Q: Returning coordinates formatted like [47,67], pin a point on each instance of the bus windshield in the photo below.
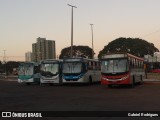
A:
[72,67]
[26,69]
[114,66]
[49,69]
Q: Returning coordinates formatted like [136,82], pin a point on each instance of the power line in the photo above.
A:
[149,34]
[12,58]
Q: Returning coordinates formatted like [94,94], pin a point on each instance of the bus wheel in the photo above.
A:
[133,83]
[41,84]
[141,80]
[28,83]
[110,86]
[50,84]
[60,84]
[90,80]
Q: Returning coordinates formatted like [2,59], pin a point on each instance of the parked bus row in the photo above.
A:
[68,70]
[112,69]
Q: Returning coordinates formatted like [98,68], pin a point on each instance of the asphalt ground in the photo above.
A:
[95,97]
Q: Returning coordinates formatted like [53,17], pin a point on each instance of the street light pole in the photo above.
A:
[72,29]
[92,41]
[4,57]
[4,60]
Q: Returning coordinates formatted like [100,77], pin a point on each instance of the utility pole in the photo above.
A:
[4,60]
[4,57]
[72,28]
[92,41]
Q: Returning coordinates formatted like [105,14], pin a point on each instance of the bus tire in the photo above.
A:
[60,82]
[90,80]
[28,83]
[109,86]
[133,83]
[41,84]
[141,80]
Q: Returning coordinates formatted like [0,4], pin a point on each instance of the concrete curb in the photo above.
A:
[151,80]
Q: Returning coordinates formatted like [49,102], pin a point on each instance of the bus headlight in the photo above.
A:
[123,78]
[103,78]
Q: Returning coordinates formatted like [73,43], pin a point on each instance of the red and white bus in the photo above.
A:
[122,68]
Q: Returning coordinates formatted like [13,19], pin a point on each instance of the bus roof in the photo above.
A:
[76,59]
[121,55]
[73,59]
[50,61]
[133,56]
[33,63]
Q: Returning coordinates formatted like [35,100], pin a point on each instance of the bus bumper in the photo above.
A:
[49,81]
[124,80]
[80,80]
[25,81]
[115,82]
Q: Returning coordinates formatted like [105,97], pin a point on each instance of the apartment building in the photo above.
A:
[28,56]
[43,49]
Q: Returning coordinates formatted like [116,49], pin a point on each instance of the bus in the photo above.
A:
[28,72]
[122,68]
[80,70]
[50,71]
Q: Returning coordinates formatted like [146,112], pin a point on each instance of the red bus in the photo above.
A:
[122,68]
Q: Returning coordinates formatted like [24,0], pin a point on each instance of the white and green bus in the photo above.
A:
[28,72]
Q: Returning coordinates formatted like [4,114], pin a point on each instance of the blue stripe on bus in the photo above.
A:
[73,77]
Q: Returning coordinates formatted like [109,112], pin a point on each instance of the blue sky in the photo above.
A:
[22,21]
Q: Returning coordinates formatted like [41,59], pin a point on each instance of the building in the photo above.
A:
[154,58]
[50,49]
[28,56]
[152,62]
[34,52]
[43,49]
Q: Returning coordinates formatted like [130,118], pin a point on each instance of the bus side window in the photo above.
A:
[130,63]
[137,64]
[89,65]
[135,61]
[93,65]
[99,66]
[140,65]
[96,65]
[84,67]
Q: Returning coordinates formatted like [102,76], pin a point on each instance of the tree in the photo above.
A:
[80,51]
[10,65]
[0,63]
[135,46]
[1,67]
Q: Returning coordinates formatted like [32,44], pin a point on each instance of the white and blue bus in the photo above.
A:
[80,70]
[50,71]
[28,72]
